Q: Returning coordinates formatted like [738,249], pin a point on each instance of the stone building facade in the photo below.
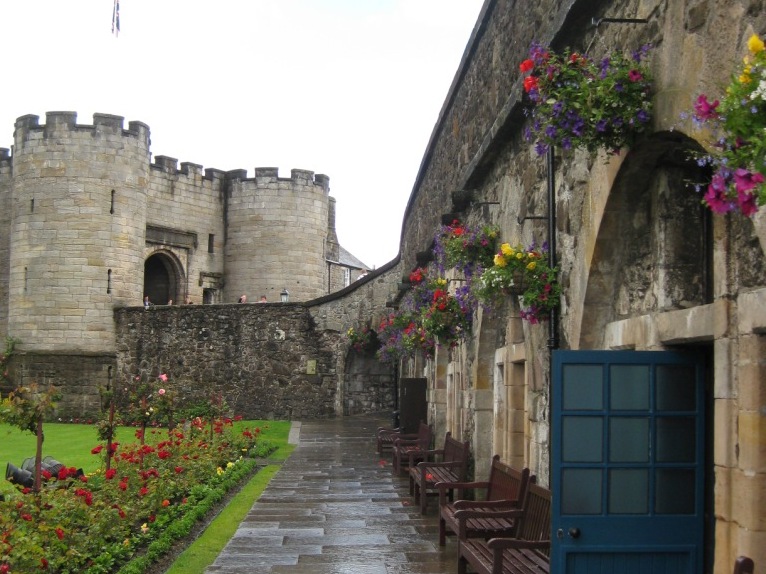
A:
[643,266]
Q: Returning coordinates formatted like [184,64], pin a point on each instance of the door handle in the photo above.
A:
[574,532]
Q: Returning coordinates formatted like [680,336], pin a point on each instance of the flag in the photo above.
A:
[116,18]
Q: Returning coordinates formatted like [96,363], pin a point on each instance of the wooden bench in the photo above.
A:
[744,565]
[527,553]
[384,437]
[445,465]
[405,445]
[504,489]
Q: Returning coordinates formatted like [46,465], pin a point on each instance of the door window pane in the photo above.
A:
[581,439]
[628,491]
[676,386]
[629,387]
[583,387]
[676,439]
[581,491]
[628,439]
[675,491]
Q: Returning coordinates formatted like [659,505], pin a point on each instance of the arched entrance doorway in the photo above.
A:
[162,275]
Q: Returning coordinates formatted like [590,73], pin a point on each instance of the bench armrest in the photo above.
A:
[445,487]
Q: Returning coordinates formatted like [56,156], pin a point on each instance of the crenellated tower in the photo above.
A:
[78,217]
[276,234]
[89,224]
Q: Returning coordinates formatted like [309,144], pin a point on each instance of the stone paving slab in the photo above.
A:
[335,507]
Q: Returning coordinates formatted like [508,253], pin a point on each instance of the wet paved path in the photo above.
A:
[334,508]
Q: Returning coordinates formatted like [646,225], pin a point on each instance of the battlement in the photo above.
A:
[59,123]
[266,175]
[169,165]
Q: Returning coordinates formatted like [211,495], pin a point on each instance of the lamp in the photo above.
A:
[284,296]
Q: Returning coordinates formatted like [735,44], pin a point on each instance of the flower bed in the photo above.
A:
[151,495]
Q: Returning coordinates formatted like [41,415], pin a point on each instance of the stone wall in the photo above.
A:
[266,360]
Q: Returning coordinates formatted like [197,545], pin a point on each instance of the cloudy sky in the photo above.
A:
[348,88]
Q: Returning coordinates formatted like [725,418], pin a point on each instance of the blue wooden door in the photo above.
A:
[627,470]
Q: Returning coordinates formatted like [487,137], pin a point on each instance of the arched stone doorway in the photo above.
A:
[654,248]
[162,279]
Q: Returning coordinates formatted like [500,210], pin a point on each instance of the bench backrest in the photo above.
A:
[424,436]
[506,482]
[456,451]
[744,565]
[536,522]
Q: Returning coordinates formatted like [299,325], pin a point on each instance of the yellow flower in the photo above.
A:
[144,528]
[519,255]
[500,261]
[219,470]
[506,249]
[229,464]
[531,265]
[126,542]
[441,281]
[755,44]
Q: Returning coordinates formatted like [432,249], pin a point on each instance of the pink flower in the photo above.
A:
[161,392]
[746,202]
[634,76]
[706,110]
[164,378]
[716,197]
[746,180]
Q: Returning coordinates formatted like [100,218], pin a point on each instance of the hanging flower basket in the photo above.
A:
[521,273]
[579,102]
[737,152]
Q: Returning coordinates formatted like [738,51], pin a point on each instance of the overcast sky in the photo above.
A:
[348,88]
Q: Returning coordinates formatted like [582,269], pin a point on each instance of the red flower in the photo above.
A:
[43,564]
[46,474]
[122,486]
[27,517]
[530,83]
[179,470]
[166,502]
[163,454]
[110,474]
[526,65]
[60,533]
[143,491]
[96,449]
[634,76]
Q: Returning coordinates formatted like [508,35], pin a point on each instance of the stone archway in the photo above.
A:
[654,247]
[163,276]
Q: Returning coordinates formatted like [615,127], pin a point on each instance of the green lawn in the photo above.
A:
[71,444]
